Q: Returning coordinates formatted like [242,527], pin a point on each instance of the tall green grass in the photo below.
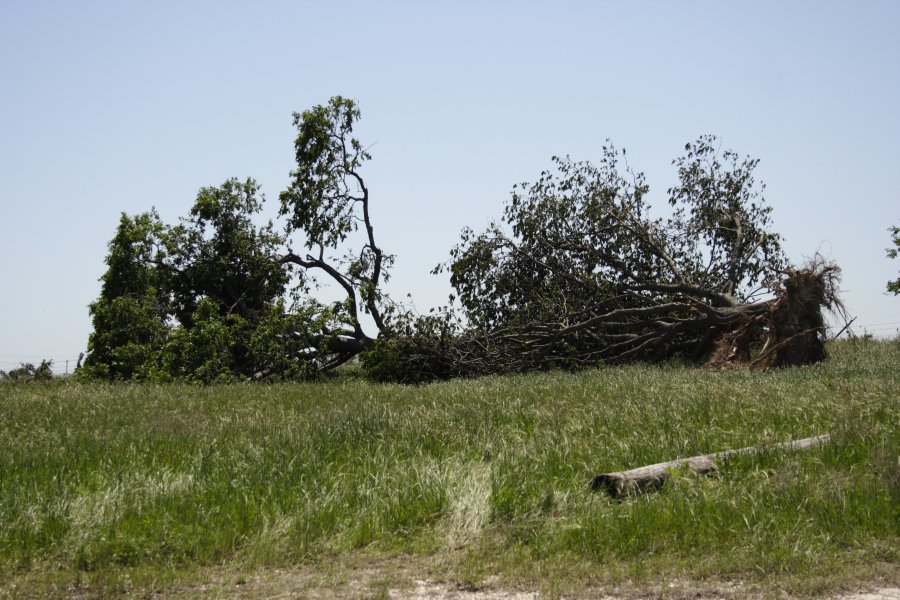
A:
[491,472]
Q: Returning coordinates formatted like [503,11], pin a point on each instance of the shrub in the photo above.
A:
[27,372]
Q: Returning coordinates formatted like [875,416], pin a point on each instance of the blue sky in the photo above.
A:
[121,106]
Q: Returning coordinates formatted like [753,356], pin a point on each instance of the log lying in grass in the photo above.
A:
[652,477]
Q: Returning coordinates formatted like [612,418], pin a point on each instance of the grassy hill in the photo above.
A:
[127,489]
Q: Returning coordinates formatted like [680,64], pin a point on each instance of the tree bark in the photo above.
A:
[652,477]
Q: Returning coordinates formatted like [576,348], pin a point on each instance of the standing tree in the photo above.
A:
[224,278]
[131,315]
[327,202]
[208,299]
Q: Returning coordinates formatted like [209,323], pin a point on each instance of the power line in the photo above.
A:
[53,359]
[22,354]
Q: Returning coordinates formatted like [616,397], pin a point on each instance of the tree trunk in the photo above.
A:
[652,477]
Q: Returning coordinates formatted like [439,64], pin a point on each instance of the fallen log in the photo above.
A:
[652,477]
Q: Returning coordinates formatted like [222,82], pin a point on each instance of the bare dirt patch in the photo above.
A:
[888,593]
[396,579]
[433,591]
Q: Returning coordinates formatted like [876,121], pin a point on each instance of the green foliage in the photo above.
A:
[205,300]
[27,372]
[136,253]
[320,200]
[219,254]
[284,342]
[183,302]
[541,259]
[582,232]
[327,201]
[131,315]
[419,350]
[129,333]
[894,286]
[721,230]
[209,350]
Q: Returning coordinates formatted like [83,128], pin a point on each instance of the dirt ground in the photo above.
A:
[432,591]
[425,590]
[393,581]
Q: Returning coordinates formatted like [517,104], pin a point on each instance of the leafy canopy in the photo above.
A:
[219,296]
[583,233]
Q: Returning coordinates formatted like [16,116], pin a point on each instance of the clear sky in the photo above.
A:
[108,107]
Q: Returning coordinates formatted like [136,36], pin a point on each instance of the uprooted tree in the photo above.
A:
[578,272]
[218,297]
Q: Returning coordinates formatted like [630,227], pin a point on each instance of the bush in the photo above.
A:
[421,350]
[27,372]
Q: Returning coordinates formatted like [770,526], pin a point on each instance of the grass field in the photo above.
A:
[127,489]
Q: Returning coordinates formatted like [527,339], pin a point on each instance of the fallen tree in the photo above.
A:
[786,330]
[579,273]
[652,477]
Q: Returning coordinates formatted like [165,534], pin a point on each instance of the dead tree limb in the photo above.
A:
[652,477]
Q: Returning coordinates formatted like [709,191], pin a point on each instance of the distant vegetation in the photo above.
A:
[105,489]
[27,372]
